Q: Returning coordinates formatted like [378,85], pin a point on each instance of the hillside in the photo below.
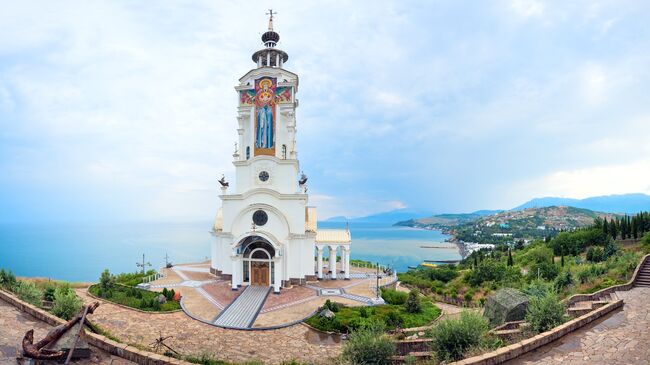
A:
[625,203]
[508,225]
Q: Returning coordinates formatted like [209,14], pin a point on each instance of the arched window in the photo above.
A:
[248,152]
[284,151]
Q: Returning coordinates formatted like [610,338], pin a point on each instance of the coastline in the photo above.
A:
[463,251]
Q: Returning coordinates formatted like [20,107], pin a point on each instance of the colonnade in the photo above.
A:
[345,260]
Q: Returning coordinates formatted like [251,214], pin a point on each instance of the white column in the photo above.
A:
[347,263]
[332,266]
[277,279]
[319,262]
[234,278]
[277,60]
[259,61]
[281,62]
[342,259]
[268,59]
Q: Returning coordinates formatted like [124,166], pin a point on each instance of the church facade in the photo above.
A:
[265,232]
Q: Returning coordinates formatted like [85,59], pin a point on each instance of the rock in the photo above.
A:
[326,313]
[506,305]
[161,299]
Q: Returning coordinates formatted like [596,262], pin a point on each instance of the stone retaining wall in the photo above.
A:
[510,352]
[604,292]
[114,348]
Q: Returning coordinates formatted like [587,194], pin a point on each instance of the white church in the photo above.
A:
[265,233]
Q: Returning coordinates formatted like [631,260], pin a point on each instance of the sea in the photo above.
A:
[81,251]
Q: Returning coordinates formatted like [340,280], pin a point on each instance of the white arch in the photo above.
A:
[266,235]
[267,207]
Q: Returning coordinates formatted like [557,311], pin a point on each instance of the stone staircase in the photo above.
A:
[584,307]
[643,277]
[242,312]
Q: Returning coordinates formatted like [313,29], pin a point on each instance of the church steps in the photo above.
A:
[242,312]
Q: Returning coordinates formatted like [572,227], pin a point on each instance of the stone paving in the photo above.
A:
[193,337]
[14,324]
[205,296]
[621,338]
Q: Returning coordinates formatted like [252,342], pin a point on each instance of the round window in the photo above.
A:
[260,218]
[264,176]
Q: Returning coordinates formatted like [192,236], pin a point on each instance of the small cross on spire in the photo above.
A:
[270,14]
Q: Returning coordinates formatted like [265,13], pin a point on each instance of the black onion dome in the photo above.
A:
[270,36]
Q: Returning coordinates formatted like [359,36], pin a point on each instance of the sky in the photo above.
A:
[126,110]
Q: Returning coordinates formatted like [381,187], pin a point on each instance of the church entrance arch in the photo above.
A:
[258,265]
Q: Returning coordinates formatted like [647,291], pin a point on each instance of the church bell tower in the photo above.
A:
[265,232]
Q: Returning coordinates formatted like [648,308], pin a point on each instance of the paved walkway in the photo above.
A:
[193,337]
[621,338]
[242,312]
[14,324]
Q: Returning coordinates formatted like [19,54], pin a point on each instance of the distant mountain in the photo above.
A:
[384,217]
[625,203]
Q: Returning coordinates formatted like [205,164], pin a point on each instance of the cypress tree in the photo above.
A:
[613,231]
[605,226]
[510,261]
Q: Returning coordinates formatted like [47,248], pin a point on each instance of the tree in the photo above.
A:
[413,304]
[613,229]
[510,261]
[106,283]
[605,226]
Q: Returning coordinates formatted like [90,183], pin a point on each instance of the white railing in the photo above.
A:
[151,278]
[384,280]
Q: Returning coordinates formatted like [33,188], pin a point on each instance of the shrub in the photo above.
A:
[369,346]
[487,270]
[413,304]
[575,242]
[393,296]
[537,288]
[563,280]
[393,319]
[543,270]
[452,338]
[28,292]
[7,280]
[444,273]
[595,254]
[48,293]
[66,303]
[545,312]
[333,306]
[611,248]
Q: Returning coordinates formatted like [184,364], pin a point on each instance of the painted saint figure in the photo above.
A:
[264,133]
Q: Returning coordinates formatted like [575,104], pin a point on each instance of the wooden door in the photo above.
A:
[260,273]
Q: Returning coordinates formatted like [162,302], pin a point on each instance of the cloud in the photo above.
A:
[122,109]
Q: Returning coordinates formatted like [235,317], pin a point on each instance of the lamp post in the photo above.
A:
[377,280]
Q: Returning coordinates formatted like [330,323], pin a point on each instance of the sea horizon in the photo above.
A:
[80,251]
